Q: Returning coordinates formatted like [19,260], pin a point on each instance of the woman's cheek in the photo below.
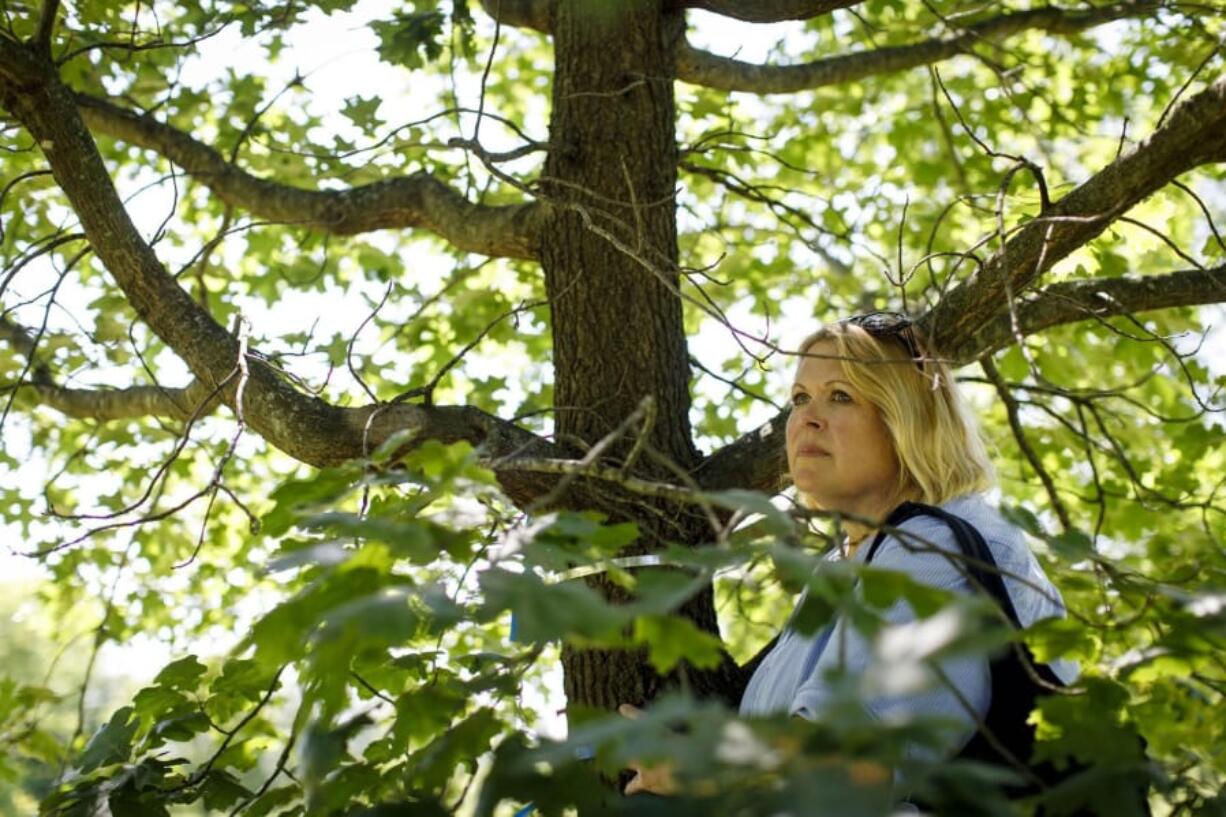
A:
[789,434]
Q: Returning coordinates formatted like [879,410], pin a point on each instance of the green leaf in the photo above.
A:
[410,39]
[362,112]
[1090,727]
[423,713]
[1053,638]
[408,808]
[549,611]
[325,747]
[661,590]
[241,683]
[813,612]
[178,728]
[458,747]
[774,519]
[1072,545]
[154,702]
[274,798]
[586,528]
[384,618]
[672,639]
[185,674]
[222,790]
[110,744]
[295,497]
[882,588]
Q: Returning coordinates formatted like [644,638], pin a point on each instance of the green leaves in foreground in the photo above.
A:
[110,744]
[126,762]
[388,652]
[391,671]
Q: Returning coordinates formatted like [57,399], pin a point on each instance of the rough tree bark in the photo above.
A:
[612,239]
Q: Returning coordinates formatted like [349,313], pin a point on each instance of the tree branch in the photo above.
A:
[17,337]
[1013,413]
[419,200]
[703,68]
[303,426]
[770,11]
[1072,301]
[533,14]
[1194,134]
[46,25]
[756,462]
[105,403]
[129,403]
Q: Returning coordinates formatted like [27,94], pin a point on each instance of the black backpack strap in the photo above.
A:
[978,564]
[1014,688]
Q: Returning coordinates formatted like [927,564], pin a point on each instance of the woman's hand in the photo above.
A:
[656,779]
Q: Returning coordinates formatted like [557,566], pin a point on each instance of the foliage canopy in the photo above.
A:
[381,382]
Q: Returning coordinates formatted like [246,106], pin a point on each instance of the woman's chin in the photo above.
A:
[816,493]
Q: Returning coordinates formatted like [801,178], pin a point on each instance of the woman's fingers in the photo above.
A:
[629,711]
[654,779]
[636,783]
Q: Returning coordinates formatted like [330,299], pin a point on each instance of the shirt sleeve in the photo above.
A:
[895,690]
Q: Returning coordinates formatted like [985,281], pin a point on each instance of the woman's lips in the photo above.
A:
[811,451]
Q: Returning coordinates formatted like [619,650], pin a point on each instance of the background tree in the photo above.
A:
[1038,183]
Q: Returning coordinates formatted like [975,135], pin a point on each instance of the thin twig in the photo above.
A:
[1019,433]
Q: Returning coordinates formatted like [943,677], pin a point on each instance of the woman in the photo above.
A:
[876,423]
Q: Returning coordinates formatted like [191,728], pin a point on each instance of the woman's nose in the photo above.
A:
[810,416]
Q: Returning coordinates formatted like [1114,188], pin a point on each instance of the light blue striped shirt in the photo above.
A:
[793,677]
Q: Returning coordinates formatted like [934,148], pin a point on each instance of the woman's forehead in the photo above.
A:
[813,368]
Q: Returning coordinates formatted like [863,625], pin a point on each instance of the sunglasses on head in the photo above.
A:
[890,325]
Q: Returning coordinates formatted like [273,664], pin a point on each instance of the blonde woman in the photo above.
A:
[878,432]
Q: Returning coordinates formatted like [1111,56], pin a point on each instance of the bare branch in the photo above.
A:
[129,46]
[614,476]
[1019,433]
[1194,134]
[419,200]
[1072,301]
[703,68]
[770,11]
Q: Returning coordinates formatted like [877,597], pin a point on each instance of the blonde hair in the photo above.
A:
[940,449]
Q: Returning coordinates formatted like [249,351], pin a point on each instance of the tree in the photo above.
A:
[1037,183]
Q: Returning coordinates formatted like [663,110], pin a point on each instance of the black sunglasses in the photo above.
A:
[891,325]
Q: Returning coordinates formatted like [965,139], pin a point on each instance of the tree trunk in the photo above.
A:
[611,239]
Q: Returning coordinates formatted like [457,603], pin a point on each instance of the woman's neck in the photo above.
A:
[857,532]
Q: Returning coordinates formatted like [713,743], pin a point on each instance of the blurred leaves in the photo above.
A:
[384,592]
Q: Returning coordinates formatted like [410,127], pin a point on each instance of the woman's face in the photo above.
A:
[840,452]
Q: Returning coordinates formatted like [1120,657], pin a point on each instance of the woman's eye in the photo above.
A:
[799,398]
[840,396]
